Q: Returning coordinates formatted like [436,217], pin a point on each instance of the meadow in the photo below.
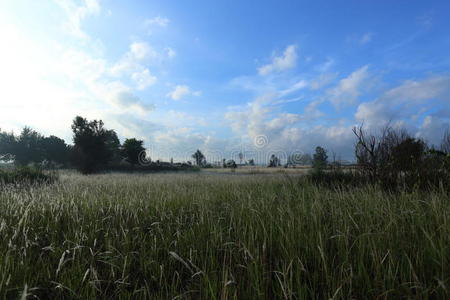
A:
[211,236]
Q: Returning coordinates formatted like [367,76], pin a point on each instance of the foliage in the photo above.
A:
[26,176]
[394,158]
[28,147]
[7,142]
[320,159]
[32,147]
[274,161]
[131,149]
[199,158]
[229,164]
[55,150]
[113,146]
[91,148]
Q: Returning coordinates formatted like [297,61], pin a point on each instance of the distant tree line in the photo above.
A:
[391,155]
[94,147]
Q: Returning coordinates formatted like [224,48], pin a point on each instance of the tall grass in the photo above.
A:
[210,237]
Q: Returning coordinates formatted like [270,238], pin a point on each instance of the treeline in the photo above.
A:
[94,148]
[391,158]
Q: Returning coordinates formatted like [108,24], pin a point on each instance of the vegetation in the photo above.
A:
[131,150]
[227,237]
[200,159]
[274,161]
[25,176]
[320,159]
[394,158]
[32,147]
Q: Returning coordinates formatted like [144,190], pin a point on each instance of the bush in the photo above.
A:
[26,175]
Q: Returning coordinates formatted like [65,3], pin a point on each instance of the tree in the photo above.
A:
[274,161]
[230,164]
[131,150]
[199,157]
[55,150]
[113,145]
[251,162]
[7,143]
[445,144]
[241,157]
[28,147]
[320,159]
[408,155]
[91,150]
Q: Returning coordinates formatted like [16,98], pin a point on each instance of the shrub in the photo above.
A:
[26,175]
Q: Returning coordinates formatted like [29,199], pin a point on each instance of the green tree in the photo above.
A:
[113,146]
[199,157]
[91,150]
[28,147]
[55,150]
[7,143]
[274,161]
[320,159]
[131,149]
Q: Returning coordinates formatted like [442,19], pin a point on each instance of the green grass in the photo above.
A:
[26,176]
[195,236]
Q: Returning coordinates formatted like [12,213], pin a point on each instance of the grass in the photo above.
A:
[26,176]
[196,236]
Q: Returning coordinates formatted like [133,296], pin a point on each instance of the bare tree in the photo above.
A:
[445,144]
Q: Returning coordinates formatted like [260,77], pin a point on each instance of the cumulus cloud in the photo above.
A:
[138,53]
[282,133]
[181,91]
[280,63]
[409,102]
[349,89]
[143,79]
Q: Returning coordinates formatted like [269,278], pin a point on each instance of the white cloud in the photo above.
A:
[141,51]
[138,53]
[158,21]
[170,52]
[285,132]
[76,13]
[301,84]
[280,63]
[153,23]
[143,79]
[182,90]
[349,89]
[402,102]
[323,80]
[325,66]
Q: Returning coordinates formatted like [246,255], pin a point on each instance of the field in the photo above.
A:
[210,236]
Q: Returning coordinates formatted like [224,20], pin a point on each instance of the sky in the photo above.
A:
[257,77]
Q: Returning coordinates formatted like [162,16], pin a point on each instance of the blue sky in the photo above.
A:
[223,75]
